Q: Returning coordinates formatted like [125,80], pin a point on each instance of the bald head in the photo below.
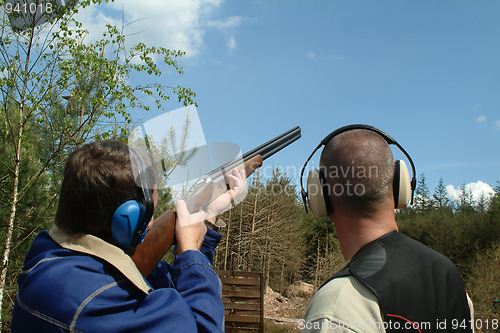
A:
[359,169]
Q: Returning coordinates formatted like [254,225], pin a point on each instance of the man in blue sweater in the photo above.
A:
[78,276]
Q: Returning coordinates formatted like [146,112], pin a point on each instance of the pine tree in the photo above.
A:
[440,195]
[423,202]
[465,200]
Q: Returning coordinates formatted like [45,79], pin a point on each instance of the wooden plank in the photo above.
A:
[238,274]
[235,291]
[236,287]
[244,313]
[242,306]
[241,330]
[242,325]
[237,299]
[226,300]
[241,293]
[235,328]
[234,273]
[242,319]
[240,281]
[240,288]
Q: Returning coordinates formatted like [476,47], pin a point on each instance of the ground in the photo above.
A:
[282,309]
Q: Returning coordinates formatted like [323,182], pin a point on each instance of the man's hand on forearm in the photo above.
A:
[189,228]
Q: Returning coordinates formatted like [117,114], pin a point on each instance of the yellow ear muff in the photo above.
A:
[402,185]
[316,195]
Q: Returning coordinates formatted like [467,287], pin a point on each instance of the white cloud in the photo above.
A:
[227,27]
[337,57]
[227,23]
[311,54]
[327,57]
[476,107]
[231,43]
[477,189]
[481,119]
[497,124]
[173,24]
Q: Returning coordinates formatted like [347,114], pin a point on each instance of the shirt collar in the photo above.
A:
[95,246]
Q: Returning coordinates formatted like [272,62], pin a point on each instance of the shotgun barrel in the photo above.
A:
[213,183]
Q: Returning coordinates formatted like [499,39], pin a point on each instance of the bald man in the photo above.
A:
[390,282]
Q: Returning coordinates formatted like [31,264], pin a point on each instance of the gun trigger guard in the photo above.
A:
[197,185]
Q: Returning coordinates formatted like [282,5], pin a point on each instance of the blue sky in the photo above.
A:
[426,72]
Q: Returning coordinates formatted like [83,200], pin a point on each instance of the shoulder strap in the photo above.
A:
[369,260]
[343,272]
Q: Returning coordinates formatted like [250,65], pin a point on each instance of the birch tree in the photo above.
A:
[59,90]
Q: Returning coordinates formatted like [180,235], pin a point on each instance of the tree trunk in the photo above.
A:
[267,255]
[282,273]
[254,218]
[10,226]
[227,239]
[240,240]
[316,274]
[15,190]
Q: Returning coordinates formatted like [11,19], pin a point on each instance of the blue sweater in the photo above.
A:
[84,284]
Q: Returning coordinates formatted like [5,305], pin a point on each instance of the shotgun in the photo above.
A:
[160,236]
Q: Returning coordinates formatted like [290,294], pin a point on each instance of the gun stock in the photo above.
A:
[161,235]
[157,241]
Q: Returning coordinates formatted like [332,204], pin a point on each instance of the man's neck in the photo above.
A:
[354,232]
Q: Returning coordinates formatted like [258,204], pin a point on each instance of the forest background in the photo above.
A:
[58,91]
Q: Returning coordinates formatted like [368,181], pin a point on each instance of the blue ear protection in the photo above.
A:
[125,220]
[130,220]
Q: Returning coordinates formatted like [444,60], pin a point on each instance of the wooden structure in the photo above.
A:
[243,297]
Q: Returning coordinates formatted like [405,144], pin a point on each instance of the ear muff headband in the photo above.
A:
[131,219]
[400,201]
